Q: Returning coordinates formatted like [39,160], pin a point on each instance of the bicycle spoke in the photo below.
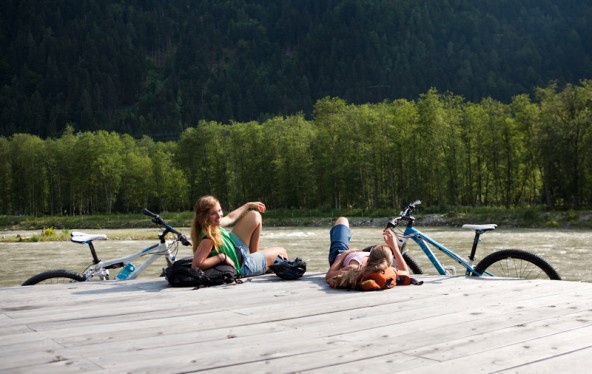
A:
[517,268]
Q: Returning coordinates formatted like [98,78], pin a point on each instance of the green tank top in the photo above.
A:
[227,247]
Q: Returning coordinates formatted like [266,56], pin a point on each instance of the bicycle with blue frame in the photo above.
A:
[507,263]
[167,247]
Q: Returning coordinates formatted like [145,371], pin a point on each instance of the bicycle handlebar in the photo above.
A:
[159,221]
[405,215]
[154,216]
[410,208]
[183,239]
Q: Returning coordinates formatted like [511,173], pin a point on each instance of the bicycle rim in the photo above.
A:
[516,263]
[54,277]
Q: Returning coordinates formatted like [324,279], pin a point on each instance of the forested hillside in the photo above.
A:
[156,68]
[439,148]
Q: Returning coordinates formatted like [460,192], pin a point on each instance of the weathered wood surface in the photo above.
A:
[449,324]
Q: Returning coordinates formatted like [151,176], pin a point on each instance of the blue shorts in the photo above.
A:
[253,263]
[340,237]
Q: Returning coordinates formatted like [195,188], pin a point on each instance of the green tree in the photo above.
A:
[29,176]
[247,162]
[565,141]
[401,120]
[428,141]
[330,156]
[64,170]
[291,175]
[451,148]
[170,183]
[5,176]
[201,154]
[100,167]
[500,152]
[528,167]
[137,187]
[472,135]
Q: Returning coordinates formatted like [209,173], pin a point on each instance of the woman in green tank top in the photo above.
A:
[213,244]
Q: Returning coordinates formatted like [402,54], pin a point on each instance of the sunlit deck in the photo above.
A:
[449,324]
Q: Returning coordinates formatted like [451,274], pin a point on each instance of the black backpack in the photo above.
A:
[180,274]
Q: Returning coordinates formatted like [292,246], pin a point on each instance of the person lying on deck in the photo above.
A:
[348,265]
[239,248]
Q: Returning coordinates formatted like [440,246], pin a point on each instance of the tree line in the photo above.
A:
[439,148]
[145,67]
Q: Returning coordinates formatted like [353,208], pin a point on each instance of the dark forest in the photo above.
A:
[158,67]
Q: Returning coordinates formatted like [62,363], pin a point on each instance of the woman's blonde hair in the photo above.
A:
[379,259]
[201,222]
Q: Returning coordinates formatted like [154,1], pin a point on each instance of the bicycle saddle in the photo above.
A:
[482,228]
[82,238]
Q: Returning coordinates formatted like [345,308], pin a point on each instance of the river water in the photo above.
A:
[566,250]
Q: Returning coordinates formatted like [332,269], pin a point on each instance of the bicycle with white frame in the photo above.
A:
[99,270]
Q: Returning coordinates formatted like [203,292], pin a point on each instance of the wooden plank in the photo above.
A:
[57,365]
[306,324]
[574,361]
[46,362]
[32,353]
[518,357]
[155,323]
[273,325]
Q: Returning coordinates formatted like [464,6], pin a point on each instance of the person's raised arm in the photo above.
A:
[391,240]
[231,217]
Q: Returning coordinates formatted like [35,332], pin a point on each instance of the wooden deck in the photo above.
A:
[449,324]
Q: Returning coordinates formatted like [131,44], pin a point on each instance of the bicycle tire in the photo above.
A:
[516,263]
[412,264]
[53,277]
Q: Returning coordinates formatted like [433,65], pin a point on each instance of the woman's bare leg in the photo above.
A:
[271,254]
[248,229]
[341,221]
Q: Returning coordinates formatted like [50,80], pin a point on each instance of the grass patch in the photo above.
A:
[98,221]
[57,227]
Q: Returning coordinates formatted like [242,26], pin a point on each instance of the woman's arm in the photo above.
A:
[335,269]
[391,240]
[201,259]
[231,217]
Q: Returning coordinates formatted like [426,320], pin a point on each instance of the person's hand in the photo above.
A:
[258,205]
[390,238]
[226,260]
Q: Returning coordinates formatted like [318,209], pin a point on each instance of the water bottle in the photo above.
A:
[450,270]
[126,271]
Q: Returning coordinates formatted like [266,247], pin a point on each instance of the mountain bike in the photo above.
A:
[99,270]
[508,263]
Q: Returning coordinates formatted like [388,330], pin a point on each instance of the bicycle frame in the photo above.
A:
[100,269]
[163,248]
[422,239]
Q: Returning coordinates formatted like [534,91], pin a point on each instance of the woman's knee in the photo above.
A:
[248,224]
[272,253]
[342,221]
[253,217]
[280,251]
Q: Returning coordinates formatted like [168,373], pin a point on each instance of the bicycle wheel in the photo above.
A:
[413,266]
[516,263]
[54,277]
